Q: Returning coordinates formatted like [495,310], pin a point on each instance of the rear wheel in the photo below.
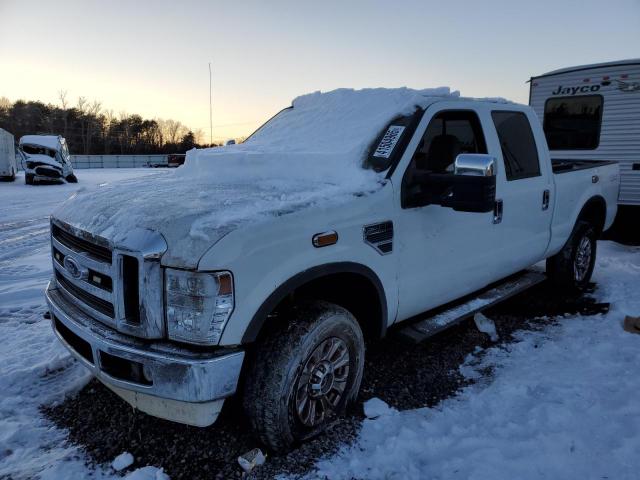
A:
[304,374]
[572,267]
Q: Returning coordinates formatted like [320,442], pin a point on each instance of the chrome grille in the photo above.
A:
[119,286]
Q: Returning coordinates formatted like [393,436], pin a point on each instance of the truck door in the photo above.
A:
[444,254]
[525,187]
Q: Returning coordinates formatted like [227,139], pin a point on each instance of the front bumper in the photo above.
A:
[159,378]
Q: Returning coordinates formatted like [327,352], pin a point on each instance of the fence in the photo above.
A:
[118,161]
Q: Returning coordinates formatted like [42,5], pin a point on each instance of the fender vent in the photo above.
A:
[380,236]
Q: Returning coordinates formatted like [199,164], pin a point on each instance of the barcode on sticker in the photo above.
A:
[389,141]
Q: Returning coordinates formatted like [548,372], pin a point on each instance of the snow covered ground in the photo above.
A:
[562,403]
[34,368]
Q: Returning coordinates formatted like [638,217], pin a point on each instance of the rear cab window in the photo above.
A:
[519,149]
[573,123]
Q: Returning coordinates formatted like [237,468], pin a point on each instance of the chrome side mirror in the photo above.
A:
[475,165]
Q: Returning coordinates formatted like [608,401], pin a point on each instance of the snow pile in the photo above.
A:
[563,403]
[325,136]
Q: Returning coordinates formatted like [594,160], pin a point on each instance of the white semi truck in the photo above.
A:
[347,214]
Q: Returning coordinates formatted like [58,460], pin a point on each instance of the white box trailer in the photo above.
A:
[8,164]
[592,112]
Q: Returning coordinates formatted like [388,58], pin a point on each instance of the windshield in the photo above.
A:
[38,150]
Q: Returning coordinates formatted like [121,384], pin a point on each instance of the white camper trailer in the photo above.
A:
[592,112]
[8,164]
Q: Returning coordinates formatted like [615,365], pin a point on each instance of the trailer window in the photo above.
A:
[519,151]
[573,123]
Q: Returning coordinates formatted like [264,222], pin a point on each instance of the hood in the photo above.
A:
[191,215]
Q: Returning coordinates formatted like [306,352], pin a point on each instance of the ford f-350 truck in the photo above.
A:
[345,214]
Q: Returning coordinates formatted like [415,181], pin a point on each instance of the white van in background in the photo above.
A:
[46,158]
[8,164]
[592,112]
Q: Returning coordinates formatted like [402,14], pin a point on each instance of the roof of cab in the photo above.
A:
[49,141]
[577,68]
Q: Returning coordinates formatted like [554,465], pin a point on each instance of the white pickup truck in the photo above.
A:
[259,270]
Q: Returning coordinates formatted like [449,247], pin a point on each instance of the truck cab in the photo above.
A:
[46,159]
[293,253]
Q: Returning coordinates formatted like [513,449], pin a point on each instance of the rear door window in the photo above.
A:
[519,150]
[573,123]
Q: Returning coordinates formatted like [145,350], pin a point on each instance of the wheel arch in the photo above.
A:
[328,282]
[594,211]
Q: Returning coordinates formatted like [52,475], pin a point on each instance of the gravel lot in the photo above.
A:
[402,374]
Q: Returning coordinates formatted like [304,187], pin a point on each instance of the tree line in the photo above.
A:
[91,129]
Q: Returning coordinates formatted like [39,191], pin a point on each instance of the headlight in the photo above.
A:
[31,165]
[198,305]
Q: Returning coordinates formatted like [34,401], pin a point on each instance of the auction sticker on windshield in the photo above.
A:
[389,141]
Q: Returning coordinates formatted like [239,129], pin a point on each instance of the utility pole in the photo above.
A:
[210,107]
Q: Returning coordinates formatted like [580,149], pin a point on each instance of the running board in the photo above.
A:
[439,319]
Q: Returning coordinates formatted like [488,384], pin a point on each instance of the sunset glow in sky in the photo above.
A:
[150,57]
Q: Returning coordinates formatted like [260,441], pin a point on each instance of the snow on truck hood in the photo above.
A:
[310,154]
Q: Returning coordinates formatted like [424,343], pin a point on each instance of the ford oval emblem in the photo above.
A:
[72,267]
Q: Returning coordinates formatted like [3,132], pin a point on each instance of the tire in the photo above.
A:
[301,364]
[571,268]
[71,178]
[28,179]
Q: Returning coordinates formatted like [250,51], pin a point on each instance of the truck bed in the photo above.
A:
[563,165]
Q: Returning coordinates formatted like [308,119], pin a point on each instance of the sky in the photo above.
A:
[151,57]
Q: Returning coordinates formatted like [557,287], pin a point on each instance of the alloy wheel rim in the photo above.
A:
[322,383]
[583,259]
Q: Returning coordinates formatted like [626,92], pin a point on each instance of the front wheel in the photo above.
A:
[304,374]
[71,178]
[572,267]
[28,179]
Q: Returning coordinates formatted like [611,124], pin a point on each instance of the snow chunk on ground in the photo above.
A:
[147,473]
[375,407]
[122,461]
[562,403]
[486,325]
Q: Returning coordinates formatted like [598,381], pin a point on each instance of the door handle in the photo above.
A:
[497,212]
[545,199]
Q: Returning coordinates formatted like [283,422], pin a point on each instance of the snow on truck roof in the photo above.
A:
[321,135]
[49,141]
[577,68]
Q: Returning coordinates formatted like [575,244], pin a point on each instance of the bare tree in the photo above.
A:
[5,102]
[88,114]
[62,95]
